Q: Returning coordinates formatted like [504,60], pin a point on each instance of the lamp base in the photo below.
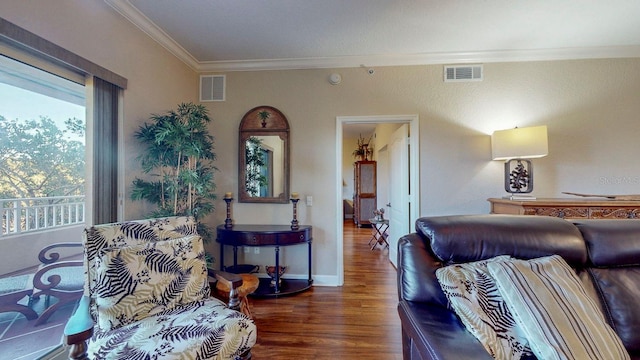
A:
[519,197]
[518,176]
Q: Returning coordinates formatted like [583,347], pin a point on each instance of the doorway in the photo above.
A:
[411,177]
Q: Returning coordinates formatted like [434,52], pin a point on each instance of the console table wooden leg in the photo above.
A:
[221,257]
[235,258]
[309,262]
[277,278]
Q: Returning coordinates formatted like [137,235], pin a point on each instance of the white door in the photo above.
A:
[398,207]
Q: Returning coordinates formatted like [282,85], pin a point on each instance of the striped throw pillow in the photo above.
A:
[555,312]
[473,295]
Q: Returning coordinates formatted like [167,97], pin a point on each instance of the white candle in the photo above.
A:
[228,195]
[295,195]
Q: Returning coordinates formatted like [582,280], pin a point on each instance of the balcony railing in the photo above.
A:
[34,214]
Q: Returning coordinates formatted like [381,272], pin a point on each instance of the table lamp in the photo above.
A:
[514,146]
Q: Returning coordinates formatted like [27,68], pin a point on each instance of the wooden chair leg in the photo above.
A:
[79,351]
[78,344]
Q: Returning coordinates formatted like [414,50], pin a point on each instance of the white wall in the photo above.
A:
[589,106]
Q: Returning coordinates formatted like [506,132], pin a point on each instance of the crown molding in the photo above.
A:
[137,18]
[422,59]
[134,15]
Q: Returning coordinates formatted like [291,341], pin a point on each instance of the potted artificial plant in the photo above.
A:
[179,158]
[363,152]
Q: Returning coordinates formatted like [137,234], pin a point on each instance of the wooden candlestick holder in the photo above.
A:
[294,222]
[228,222]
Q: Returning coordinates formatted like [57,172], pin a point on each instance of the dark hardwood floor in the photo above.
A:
[357,320]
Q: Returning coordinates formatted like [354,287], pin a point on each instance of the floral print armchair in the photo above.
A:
[148,294]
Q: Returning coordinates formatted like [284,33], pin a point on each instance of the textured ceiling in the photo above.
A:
[247,34]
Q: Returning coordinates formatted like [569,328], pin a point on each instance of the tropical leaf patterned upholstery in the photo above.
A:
[150,296]
[139,281]
[198,330]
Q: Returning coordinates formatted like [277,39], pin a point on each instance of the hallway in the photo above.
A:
[357,320]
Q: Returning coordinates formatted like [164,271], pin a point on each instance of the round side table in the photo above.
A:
[249,284]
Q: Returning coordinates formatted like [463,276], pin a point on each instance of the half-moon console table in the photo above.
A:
[266,235]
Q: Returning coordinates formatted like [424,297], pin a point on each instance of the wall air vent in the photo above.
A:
[459,73]
[212,88]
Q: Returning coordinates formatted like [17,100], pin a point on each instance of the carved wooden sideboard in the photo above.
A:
[365,191]
[568,208]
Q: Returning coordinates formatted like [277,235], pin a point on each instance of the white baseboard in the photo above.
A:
[325,280]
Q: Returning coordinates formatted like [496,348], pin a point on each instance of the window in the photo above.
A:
[34,76]
[43,136]
[42,196]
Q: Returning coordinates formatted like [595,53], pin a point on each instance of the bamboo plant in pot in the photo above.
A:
[178,158]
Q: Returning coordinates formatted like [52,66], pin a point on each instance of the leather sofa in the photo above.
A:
[605,254]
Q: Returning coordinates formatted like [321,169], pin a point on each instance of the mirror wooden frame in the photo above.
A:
[263,121]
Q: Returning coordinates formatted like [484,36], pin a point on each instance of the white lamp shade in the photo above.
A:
[520,143]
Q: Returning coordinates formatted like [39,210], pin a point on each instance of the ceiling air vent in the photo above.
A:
[459,73]
[212,88]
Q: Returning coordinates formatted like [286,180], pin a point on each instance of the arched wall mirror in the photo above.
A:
[263,173]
